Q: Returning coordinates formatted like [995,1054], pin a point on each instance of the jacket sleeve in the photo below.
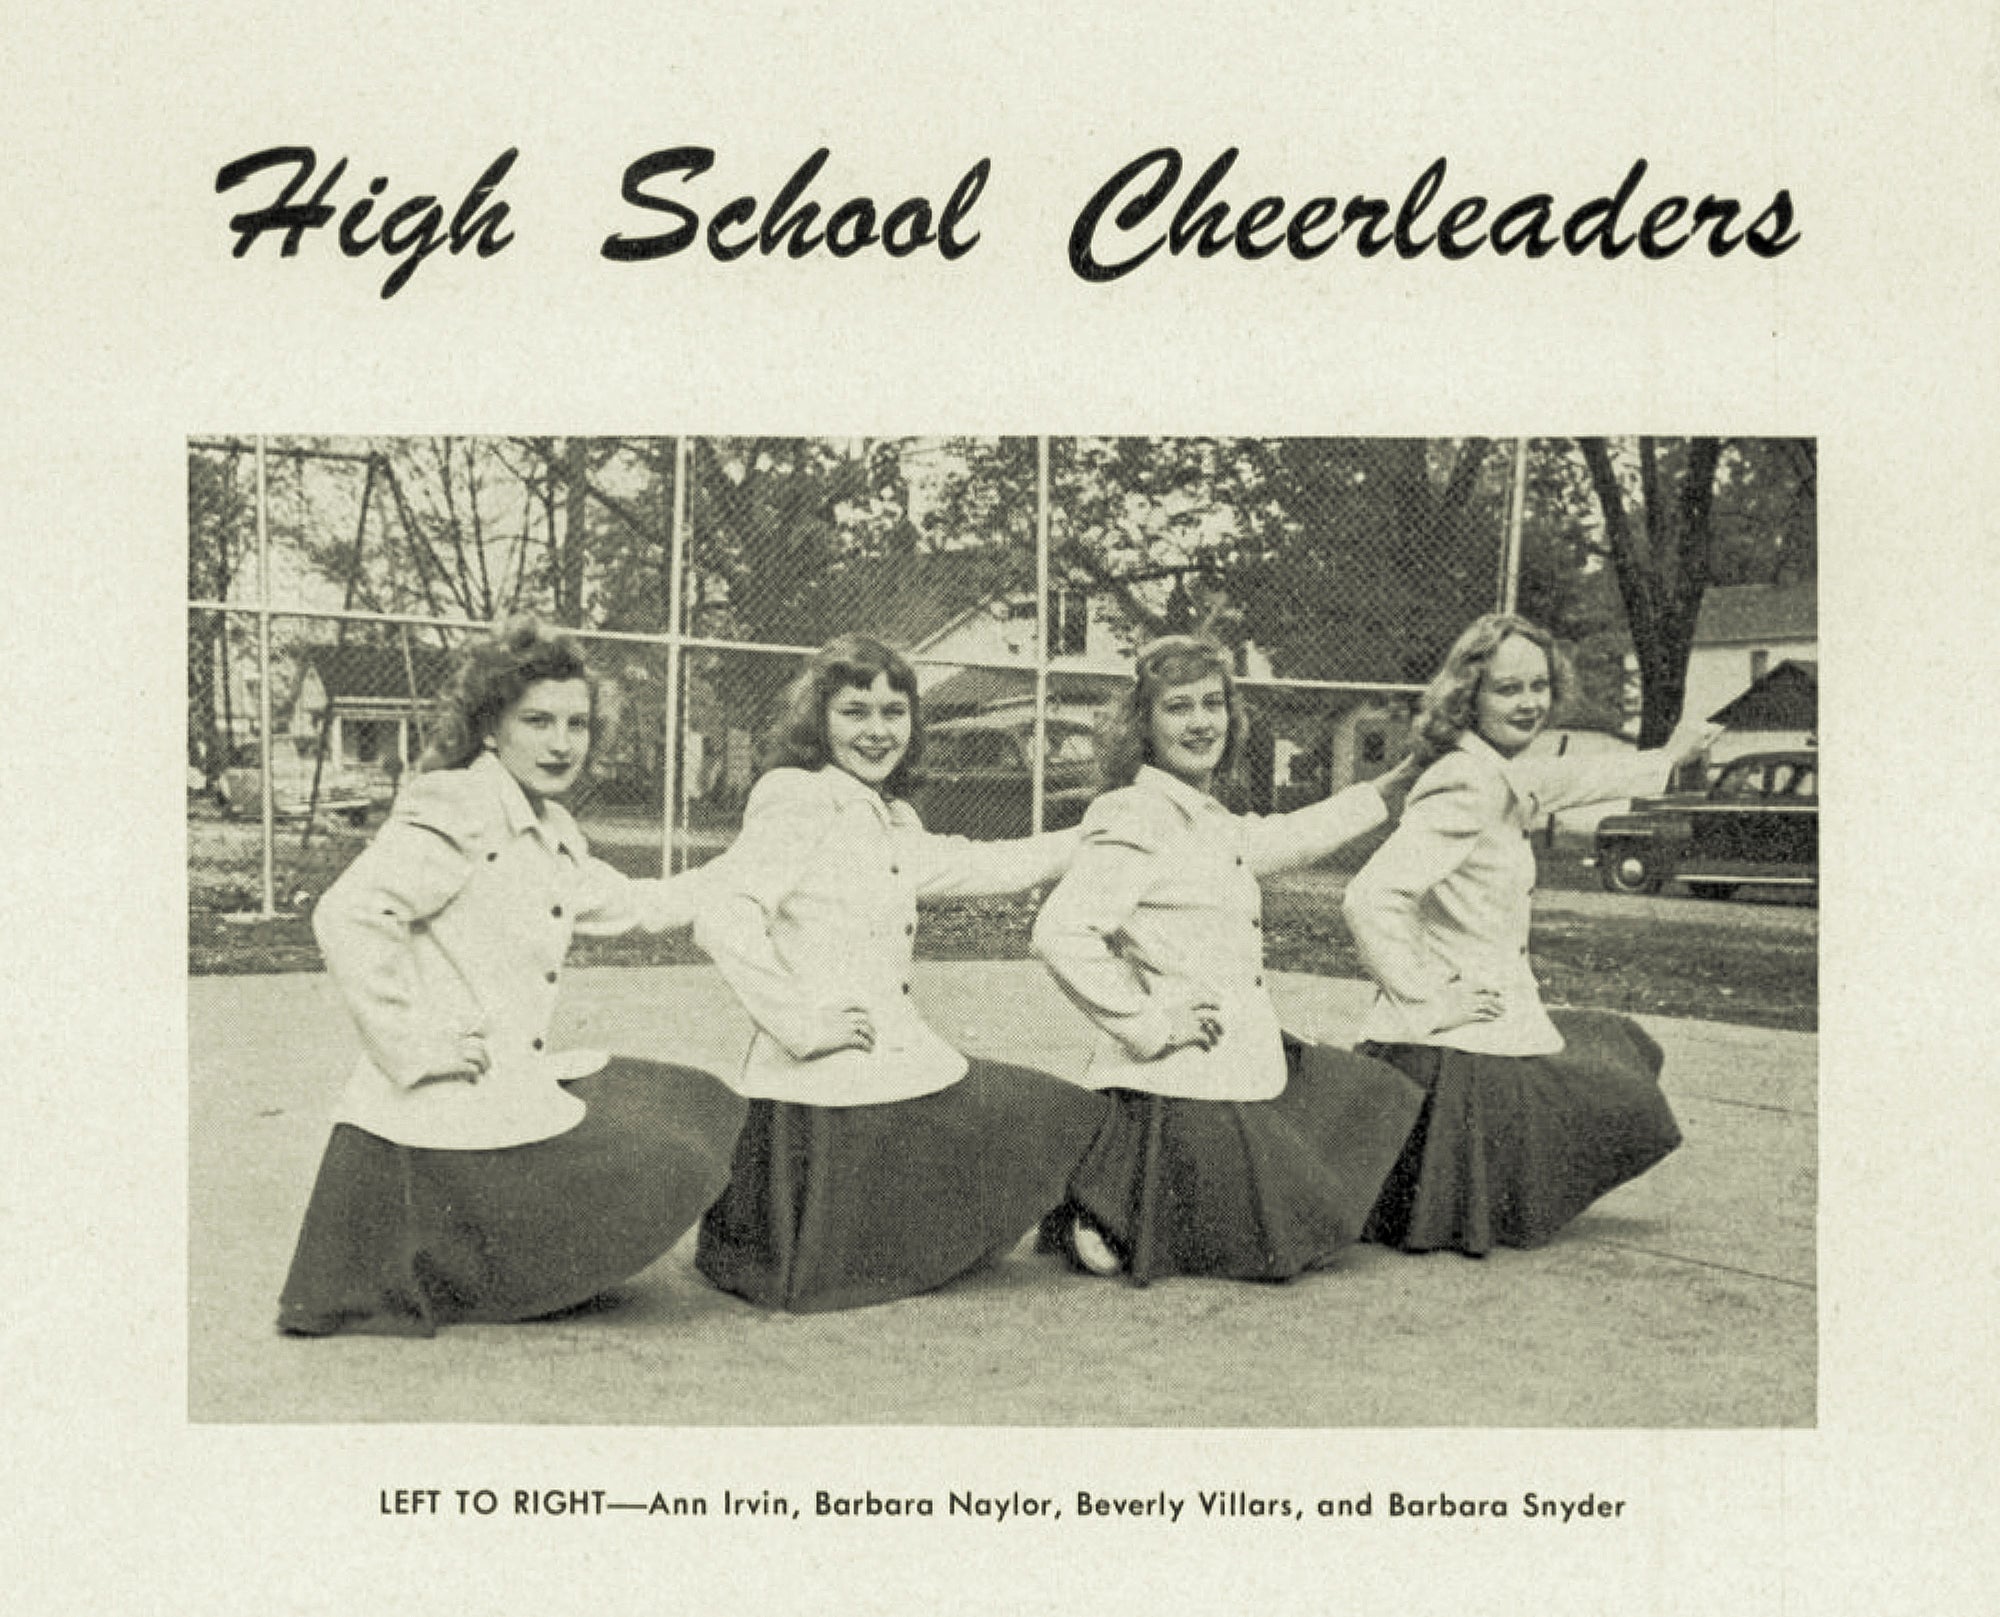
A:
[1273,842]
[609,902]
[1550,785]
[1447,812]
[1116,861]
[964,867]
[784,823]
[416,865]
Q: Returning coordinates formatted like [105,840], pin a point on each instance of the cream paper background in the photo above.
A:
[129,327]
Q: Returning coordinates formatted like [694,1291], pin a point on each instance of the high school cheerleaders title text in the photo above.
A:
[1159,205]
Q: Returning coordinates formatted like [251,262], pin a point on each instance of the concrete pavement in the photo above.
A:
[1687,1299]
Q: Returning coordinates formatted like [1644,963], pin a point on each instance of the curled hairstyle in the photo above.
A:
[1449,705]
[1179,659]
[798,737]
[489,677]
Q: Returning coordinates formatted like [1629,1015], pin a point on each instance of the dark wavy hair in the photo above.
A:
[489,677]
[798,737]
[1449,705]
[1126,739]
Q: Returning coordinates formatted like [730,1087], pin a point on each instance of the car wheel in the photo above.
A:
[1629,867]
[1711,889]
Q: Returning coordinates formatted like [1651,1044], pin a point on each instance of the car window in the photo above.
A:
[943,752]
[1806,783]
[1741,780]
[988,749]
[1781,779]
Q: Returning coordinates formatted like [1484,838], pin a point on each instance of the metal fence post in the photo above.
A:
[266,776]
[1038,780]
[670,761]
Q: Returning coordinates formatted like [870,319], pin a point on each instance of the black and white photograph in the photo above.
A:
[1012,908]
[839,807]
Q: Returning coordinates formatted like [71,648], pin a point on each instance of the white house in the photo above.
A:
[1745,632]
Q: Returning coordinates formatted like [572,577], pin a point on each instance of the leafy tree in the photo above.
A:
[1708,510]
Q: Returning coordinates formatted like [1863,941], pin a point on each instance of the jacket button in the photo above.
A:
[538,1044]
[491,857]
[1260,982]
[557,912]
[909,929]
[548,976]
[895,870]
[906,988]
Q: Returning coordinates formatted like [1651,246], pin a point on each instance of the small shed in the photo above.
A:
[367,702]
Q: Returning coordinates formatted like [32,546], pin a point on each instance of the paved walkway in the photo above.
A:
[1685,1299]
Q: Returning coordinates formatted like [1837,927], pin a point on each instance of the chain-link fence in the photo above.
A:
[330,582]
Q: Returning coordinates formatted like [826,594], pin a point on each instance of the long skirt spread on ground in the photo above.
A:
[1511,1148]
[844,1206]
[1248,1190]
[399,1239]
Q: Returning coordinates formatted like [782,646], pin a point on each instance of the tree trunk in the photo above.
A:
[1662,577]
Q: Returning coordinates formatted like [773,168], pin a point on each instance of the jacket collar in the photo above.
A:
[554,825]
[1492,759]
[1177,791]
[846,789]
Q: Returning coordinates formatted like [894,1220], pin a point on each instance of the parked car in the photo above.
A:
[979,773]
[1758,822]
[240,793]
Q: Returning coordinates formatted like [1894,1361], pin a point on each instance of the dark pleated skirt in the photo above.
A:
[399,1239]
[833,1207]
[1248,1190]
[1511,1148]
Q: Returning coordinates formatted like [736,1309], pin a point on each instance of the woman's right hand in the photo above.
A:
[1462,1002]
[468,1060]
[1195,1024]
[845,1027]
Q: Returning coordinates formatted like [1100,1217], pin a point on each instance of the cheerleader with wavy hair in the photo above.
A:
[1234,1148]
[877,1161]
[1530,1115]
[475,1174]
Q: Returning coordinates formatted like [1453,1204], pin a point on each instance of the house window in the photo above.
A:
[1068,623]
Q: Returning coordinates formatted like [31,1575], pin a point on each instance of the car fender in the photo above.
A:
[1645,828]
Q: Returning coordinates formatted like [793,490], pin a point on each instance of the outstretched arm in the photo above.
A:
[964,867]
[612,902]
[1273,842]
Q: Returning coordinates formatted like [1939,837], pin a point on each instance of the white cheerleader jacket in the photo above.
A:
[814,908]
[1448,896]
[1162,906]
[455,920]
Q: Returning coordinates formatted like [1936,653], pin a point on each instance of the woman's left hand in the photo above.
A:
[1395,785]
[1689,744]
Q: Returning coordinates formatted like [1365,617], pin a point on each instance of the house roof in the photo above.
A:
[378,673]
[1735,613]
[909,601]
[1786,698]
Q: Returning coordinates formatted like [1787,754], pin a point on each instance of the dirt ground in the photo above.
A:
[1687,1299]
